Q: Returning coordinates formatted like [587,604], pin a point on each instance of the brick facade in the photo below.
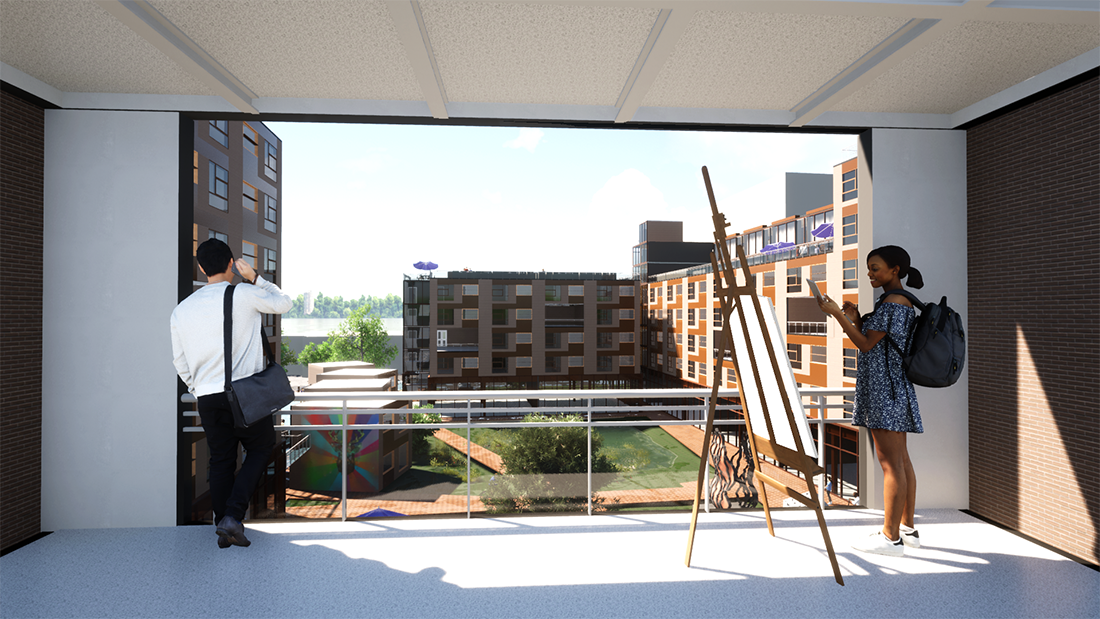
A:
[21,160]
[1033,193]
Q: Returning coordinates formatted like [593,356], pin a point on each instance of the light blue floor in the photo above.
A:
[568,566]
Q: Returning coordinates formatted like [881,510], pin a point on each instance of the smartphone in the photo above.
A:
[235,271]
[814,289]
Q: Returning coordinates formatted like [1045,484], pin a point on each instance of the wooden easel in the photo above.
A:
[730,293]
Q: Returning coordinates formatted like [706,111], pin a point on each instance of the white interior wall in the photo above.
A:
[110,263]
[916,190]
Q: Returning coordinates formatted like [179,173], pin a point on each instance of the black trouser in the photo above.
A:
[230,492]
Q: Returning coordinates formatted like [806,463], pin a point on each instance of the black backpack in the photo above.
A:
[936,344]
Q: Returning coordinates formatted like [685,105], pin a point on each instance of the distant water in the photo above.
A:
[320,327]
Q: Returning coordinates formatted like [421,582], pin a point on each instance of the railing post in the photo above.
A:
[819,401]
[344,464]
[588,404]
[469,481]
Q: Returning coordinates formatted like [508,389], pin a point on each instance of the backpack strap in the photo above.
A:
[917,303]
[227,337]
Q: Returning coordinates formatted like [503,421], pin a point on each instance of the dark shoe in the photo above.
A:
[223,542]
[232,530]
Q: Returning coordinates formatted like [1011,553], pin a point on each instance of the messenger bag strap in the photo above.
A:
[227,335]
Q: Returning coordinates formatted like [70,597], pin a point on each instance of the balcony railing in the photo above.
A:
[628,423]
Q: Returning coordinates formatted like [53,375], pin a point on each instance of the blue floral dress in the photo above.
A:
[885,398]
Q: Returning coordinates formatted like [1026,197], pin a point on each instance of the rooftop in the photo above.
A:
[626,565]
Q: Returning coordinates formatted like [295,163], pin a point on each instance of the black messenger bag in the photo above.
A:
[258,396]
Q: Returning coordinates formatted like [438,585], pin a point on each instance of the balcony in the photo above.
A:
[559,566]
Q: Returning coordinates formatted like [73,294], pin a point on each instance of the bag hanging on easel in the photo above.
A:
[258,396]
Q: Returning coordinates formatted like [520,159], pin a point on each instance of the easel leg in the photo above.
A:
[699,481]
[816,499]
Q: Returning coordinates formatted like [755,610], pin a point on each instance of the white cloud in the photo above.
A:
[629,193]
[374,160]
[527,138]
[493,197]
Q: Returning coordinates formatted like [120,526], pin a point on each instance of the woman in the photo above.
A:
[885,401]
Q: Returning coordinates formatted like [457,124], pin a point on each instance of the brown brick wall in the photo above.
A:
[21,159]
[1033,193]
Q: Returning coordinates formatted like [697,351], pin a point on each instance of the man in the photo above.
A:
[199,348]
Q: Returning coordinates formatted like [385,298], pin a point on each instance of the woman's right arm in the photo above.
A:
[851,323]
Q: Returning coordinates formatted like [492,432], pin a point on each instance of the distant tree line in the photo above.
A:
[338,307]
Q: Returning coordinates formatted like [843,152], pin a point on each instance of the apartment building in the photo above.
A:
[661,248]
[495,330]
[682,326]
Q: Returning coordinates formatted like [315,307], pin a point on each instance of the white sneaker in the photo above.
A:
[910,537]
[876,543]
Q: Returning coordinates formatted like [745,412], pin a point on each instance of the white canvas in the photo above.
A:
[770,382]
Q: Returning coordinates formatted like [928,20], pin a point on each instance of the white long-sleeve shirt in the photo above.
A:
[197,338]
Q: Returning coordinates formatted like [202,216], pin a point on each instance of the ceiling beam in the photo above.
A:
[155,28]
[669,26]
[409,22]
[891,51]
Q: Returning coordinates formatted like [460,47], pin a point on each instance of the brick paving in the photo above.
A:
[478,453]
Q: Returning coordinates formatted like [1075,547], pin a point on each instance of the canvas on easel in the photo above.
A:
[774,417]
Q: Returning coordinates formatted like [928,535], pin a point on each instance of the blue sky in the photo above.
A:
[362,203]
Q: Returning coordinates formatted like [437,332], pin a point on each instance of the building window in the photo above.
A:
[691,291]
[794,279]
[523,290]
[469,290]
[603,293]
[691,317]
[817,354]
[523,362]
[702,369]
[271,261]
[445,292]
[500,341]
[469,363]
[553,364]
[691,369]
[849,187]
[703,287]
[576,291]
[769,278]
[553,293]
[605,339]
[523,314]
[702,341]
[387,463]
[668,292]
[469,314]
[500,365]
[794,353]
[214,234]
[500,317]
[850,232]
[271,160]
[248,252]
[679,290]
[626,291]
[817,272]
[576,338]
[691,343]
[553,340]
[271,213]
[576,362]
[523,338]
[219,130]
[626,361]
[446,365]
[219,187]
[626,314]
[717,318]
[850,368]
[500,292]
[652,291]
[626,337]
[603,316]
[603,364]
[251,140]
[402,456]
[850,279]
[251,197]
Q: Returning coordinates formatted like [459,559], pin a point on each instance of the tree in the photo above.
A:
[418,439]
[545,468]
[360,337]
[286,354]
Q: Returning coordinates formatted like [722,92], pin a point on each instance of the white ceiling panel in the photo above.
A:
[337,49]
[76,46]
[762,60]
[531,53]
[970,63]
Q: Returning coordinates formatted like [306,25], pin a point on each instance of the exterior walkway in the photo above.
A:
[608,566]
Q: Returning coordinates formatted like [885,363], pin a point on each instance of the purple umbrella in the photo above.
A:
[426,266]
[776,247]
[823,231]
[378,512]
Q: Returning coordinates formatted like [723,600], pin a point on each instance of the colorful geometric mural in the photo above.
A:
[318,470]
